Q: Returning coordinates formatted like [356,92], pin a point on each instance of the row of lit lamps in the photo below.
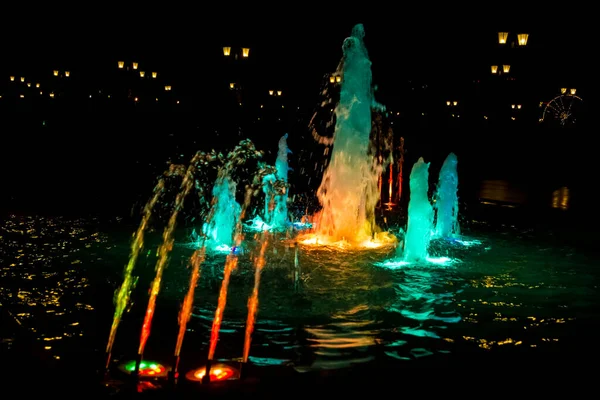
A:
[521,38]
[571,91]
[22,96]
[505,69]
[245,52]
[12,79]
[455,103]
[135,65]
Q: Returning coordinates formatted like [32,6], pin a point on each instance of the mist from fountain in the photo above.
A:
[420,215]
[446,199]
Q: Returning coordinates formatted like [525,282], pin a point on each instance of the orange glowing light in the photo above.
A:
[219,372]
[380,240]
[391,182]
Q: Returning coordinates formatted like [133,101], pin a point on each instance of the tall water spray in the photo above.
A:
[446,199]
[420,214]
[227,210]
[276,211]
[348,192]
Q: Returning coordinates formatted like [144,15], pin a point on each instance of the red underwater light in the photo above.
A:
[218,372]
[148,369]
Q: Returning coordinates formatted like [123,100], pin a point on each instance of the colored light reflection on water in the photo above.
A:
[380,240]
[219,372]
[147,368]
[441,261]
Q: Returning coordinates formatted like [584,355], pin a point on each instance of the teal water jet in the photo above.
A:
[220,229]
[420,215]
[446,199]
[276,211]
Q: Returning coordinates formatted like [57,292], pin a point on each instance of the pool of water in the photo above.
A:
[508,290]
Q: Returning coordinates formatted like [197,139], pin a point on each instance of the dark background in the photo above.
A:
[83,155]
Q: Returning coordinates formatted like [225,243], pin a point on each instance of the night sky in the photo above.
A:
[295,48]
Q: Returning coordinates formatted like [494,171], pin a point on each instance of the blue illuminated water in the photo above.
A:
[220,230]
[446,199]
[420,215]
[276,210]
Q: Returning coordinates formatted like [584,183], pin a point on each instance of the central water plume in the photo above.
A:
[348,192]
[446,199]
[420,214]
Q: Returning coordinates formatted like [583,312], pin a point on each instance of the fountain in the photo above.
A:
[420,215]
[275,216]
[348,195]
[348,192]
[219,230]
[446,199]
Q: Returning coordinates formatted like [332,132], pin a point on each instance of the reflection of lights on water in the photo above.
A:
[147,368]
[468,243]
[381,239]
[393,264]
[219,372]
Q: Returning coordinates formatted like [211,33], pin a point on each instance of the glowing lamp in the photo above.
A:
[455,103]
[245,52]
[218,372]
[135,65]
[154,75]
[502,37]
[55,72]
[338,79]
[168,88]
[22,96]
[148,369]
[512,106]
[494,69]
[12,78]
[573,91]
[121,64]
[270,93]
[231,85]
[23,78]
[52,95]
[37,85]
[279,93]
[522,38]
[226,51]
[518,106]
[67,74]
[142,74]
[28,84]
[505,68]
[563,90]
[448,103]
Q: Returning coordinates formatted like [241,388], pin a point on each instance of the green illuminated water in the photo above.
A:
[517,291]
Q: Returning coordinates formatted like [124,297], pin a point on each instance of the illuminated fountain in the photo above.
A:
[349,189]
[219,230]
[446,199]
[275,215]
[420,215]
[348,195]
